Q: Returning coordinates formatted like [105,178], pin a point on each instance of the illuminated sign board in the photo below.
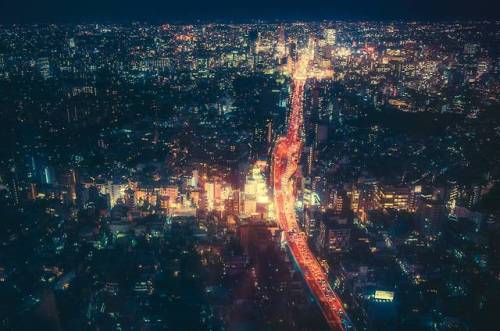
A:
[384,295]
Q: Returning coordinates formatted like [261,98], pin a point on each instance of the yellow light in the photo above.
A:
[384,295]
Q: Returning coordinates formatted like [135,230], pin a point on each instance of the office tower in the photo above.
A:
[292,51]
[195,179]
[15,190]
[431,214]
[334,234]
[48,175]
[43,66]
[330,36]
[311,222]
[269,126]
[281,44]
[391,197]
[309,151]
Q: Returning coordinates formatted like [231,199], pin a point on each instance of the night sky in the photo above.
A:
[39,11]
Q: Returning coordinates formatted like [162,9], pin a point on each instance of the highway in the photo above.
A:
[285,160]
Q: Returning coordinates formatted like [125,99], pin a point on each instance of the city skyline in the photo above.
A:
[269,175]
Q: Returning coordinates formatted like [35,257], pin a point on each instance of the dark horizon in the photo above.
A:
[57,11]
[322,167]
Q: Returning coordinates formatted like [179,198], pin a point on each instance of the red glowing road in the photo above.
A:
[286,155]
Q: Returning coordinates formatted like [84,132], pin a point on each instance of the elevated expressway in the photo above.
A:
[285,159]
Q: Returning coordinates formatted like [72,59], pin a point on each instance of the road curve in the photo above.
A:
[285,159]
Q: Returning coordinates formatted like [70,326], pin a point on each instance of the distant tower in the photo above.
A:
[311,45]
[14,187]
[310,159]
[43,66]
[292,51]
[269,131]
[195,179]
[281,45]
[253,41]
[154,107]
[330,37]
[72,185]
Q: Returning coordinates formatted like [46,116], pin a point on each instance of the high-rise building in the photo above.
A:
[168,196]
[330,36]
[15,190]
[470,49]
[43,66]
[431,214]
[292,51]
[391,197]
[355,194]
[281,45]
[337,202]
[269,126]
[195,179]
[33,191]
[213,191]
[309,150]
[255,198]
[334,234]
[48,175]
[311,222]
[115,191]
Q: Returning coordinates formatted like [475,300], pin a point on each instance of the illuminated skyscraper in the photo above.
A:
[309,150]
[14,187]
[330,37]
[269,126]
[292,51]
[281,45]
[195,178]
[334,234]
[255,196]
[390,197]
